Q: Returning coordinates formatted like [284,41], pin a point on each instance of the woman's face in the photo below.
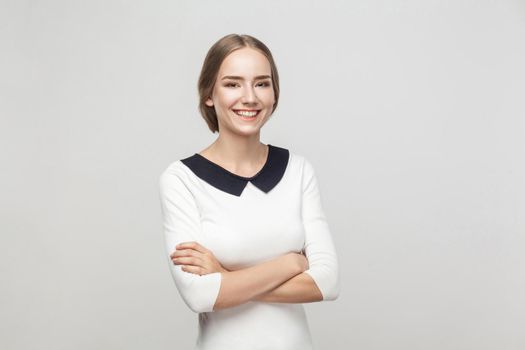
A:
[243,84]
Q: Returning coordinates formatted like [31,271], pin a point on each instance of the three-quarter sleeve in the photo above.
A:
[319,246]
[181,223]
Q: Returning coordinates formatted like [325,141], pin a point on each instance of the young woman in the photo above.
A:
[243,220]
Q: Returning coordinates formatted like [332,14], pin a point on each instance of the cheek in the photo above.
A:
[229,98]
[268,97]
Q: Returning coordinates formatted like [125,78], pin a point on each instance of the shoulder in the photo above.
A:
[175,174]
[304,170]
[301,162]
[175,168]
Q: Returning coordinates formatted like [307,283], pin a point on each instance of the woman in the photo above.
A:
[243,221]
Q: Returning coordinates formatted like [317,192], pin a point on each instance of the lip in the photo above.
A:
[247,110]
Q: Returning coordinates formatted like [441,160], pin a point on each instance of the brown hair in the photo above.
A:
[210,69]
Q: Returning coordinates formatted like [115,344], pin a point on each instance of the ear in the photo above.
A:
[209,102]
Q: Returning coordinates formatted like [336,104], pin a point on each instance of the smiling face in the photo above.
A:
[243,94]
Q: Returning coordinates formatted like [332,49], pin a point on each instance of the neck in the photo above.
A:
[239,154]
[240,150]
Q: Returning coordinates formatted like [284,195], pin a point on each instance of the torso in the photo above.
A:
[243,230]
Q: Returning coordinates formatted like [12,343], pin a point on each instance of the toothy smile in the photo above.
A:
[246,113]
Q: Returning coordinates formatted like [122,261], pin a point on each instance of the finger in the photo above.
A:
[193,245]
[186,252]
[182,252]
[179,253]
[188,261]
[192,269]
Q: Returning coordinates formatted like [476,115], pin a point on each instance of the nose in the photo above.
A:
[249,96]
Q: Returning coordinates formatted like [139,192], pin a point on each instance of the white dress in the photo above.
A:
[245,221]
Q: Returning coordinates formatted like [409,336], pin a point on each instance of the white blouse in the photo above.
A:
[245,221]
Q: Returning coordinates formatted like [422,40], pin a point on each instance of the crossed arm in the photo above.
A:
[291,278]
[299,289]
[280,280]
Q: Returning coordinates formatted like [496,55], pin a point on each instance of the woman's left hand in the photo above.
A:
[196,259]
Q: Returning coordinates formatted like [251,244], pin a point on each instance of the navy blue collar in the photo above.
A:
[266,179]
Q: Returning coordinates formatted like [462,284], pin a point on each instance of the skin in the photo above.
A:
[238,147]
[239,150]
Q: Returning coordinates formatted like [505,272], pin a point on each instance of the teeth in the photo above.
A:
[246,114]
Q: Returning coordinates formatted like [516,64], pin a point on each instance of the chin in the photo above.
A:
[247,131]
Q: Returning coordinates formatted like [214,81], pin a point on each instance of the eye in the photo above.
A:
[265,83]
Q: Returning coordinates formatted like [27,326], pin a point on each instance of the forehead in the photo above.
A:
[245,62]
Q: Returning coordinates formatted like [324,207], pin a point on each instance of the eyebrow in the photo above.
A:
[235,77]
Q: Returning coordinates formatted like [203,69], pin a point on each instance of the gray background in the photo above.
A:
[411,112]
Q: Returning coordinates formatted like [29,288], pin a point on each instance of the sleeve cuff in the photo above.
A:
[327,283]
[203,298]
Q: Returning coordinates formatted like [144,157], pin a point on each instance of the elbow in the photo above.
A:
[197,306]
[199,293]
[329,283]
[197,302]
[334,287]
[327,280]
[332,291]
